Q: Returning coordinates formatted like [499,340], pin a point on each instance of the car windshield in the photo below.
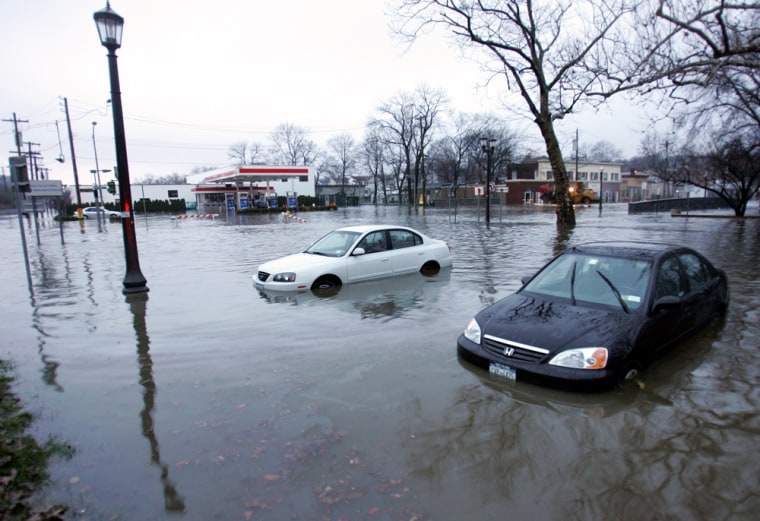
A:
[334,244]
[597,279]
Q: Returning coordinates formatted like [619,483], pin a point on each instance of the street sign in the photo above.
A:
[46,188]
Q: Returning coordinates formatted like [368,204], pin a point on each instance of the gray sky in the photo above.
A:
[199,75]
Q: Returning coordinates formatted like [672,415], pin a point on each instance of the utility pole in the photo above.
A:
[577,146]
[16,133]
[487,145]
[33,175]
[32,157]
[73,155]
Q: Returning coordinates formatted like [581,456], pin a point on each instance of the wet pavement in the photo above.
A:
[207,400]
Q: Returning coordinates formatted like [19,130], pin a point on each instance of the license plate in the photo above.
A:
[502,371]
[259,286]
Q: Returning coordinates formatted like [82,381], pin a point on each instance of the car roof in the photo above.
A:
[626,249]
[372,227]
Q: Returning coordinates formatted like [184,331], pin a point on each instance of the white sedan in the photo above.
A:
[353,254]
[91,212]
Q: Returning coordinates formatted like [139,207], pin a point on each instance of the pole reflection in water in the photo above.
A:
[173,501]
[51,287]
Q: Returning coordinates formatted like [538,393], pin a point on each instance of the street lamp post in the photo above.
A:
[487,145]
[110,26]
[601,190]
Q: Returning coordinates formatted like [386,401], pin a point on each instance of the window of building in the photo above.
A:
[173,194]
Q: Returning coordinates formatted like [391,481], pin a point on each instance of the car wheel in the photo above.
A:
[629,374]
[326,286]
[430,268]
[585,200]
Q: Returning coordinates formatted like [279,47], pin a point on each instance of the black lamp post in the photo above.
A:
[110,26]
[487,145]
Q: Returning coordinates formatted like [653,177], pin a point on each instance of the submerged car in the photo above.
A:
[353,254]
[596,314]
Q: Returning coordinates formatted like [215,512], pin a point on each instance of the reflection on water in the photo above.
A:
[384,299]
[289,406]
[173,501]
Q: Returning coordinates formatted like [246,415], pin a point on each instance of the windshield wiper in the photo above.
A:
[572,284]
[615,291]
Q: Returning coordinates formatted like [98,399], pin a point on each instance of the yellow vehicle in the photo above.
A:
[578,192]
[582,195]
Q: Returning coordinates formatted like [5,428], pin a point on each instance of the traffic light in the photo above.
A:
[111,187]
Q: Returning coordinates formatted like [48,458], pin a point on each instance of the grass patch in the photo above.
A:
[23,461]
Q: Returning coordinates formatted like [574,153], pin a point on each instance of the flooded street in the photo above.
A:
[209,401]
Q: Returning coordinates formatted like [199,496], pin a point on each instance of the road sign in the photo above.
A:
[46,188]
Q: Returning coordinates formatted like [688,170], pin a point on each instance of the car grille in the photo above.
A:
[513,350]
[263,276]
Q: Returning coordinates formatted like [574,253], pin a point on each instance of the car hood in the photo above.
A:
[551,324]
[296,262]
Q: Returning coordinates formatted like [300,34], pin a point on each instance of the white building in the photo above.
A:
[235,187]
[247,186]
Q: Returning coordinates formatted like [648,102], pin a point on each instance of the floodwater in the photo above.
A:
[208,401]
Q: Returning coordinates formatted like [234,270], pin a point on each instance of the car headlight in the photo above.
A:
[285,277]
[582,358]
[472,331]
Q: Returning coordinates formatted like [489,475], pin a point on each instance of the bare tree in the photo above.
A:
[373,156]
[291,145]
[553,70]
[687,43]
[458,158]
[453,153]
[428,104]
[342,153]
[244,153]
[711,52]
[169,179]
[730,170]
[397,122]
[603,151]
[407,121]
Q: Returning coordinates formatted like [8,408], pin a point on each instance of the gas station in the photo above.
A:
[250,186]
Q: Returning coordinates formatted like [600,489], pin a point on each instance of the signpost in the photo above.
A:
[46,188]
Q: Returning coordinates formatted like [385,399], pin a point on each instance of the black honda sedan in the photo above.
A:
[596,314]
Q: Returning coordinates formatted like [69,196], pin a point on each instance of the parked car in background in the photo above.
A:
[91,212]
[353,254]
[596,314]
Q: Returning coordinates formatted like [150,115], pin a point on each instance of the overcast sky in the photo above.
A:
[199,75]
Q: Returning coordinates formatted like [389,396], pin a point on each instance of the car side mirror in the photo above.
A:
[668,302]
[525,279]
[358,251]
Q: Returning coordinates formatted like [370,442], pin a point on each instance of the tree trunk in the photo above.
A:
[565,210]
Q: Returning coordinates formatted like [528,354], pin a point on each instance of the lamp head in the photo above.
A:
[110,26]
